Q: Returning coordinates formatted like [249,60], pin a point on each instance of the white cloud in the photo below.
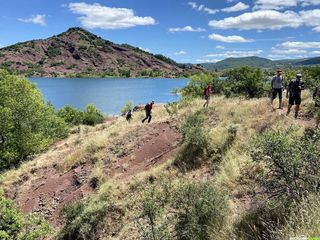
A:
[179,53]
[208,60]
[288,51]
[98,16]
[235,54]
[259,20]
[220,47]
[144,49]
[236,8]
[202,8]
[187,29]
[39,19]
[274,4]
[228,39]
[315,53]
[305,3]
[299,45]
[311,18]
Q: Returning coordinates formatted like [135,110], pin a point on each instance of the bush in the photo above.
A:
[152,208]
[198,83]
[84,218]
[92,116]
[246,81]
[304,220]
[128,106]
[200,211]
[195,142]
[291,163]
[27,124]
[15,226]
[71,115]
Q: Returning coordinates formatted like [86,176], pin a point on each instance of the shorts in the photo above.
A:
[277,91]
[295,100]
[207,98]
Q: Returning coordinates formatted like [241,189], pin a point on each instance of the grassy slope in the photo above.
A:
[250,117]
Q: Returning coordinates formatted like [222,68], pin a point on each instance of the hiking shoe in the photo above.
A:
[280,108]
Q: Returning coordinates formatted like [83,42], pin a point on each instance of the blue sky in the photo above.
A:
[187,31]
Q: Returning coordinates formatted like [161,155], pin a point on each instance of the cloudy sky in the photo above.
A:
[187,31]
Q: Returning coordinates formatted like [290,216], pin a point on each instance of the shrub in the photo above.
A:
[291,162]
[15,226]
[92,116]
[27,124]
[304,220]
[84,218]
[128,106]
[71,115]
[152,208]
[198,83]
[200,211]
[246,81]
[195,142]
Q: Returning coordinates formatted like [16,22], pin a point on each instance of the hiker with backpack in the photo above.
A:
[316,98]
[148,109]
[294,93]
[207,94]
[129,115]
[277,87]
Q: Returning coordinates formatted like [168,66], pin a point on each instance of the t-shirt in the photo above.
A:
[295,87]
[208,91]
[277,82]
[148,107]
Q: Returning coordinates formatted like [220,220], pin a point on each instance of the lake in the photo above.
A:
[108,94]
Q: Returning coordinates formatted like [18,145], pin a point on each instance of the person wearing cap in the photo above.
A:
[277,86]
[294,93]
[207,94]
[148,109]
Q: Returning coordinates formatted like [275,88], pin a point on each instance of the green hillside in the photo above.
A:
[260,62]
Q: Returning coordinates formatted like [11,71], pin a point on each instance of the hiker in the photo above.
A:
[277,86]
[294,92]
[207,94]
[129,115]
[148,109]
[316,97]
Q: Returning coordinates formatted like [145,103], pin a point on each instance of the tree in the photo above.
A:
[246,81]
[27,124]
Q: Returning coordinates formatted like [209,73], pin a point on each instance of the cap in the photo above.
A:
[279,70]
[299,75]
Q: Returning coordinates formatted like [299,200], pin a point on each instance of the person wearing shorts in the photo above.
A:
[294,93]
[277,87]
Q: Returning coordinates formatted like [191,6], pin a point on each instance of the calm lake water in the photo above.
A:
[108,94]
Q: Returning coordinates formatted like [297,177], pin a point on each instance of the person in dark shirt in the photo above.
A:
[148,109]
[294,93]
[129,115]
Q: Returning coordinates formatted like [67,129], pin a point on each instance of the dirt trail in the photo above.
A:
[48,189]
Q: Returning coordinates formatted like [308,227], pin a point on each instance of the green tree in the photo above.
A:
[126,107]
[28,125]
[71,115]
[246,81]
[92,116]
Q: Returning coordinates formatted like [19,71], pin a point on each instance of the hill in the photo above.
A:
[260,62]
[78,52]
[117,175]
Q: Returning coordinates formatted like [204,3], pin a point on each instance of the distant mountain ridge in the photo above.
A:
[254,61]
[78,52]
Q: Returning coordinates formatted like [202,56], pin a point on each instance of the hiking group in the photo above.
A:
[293,92]
[148,111]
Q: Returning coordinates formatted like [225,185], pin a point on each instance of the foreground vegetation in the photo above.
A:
[241,172]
